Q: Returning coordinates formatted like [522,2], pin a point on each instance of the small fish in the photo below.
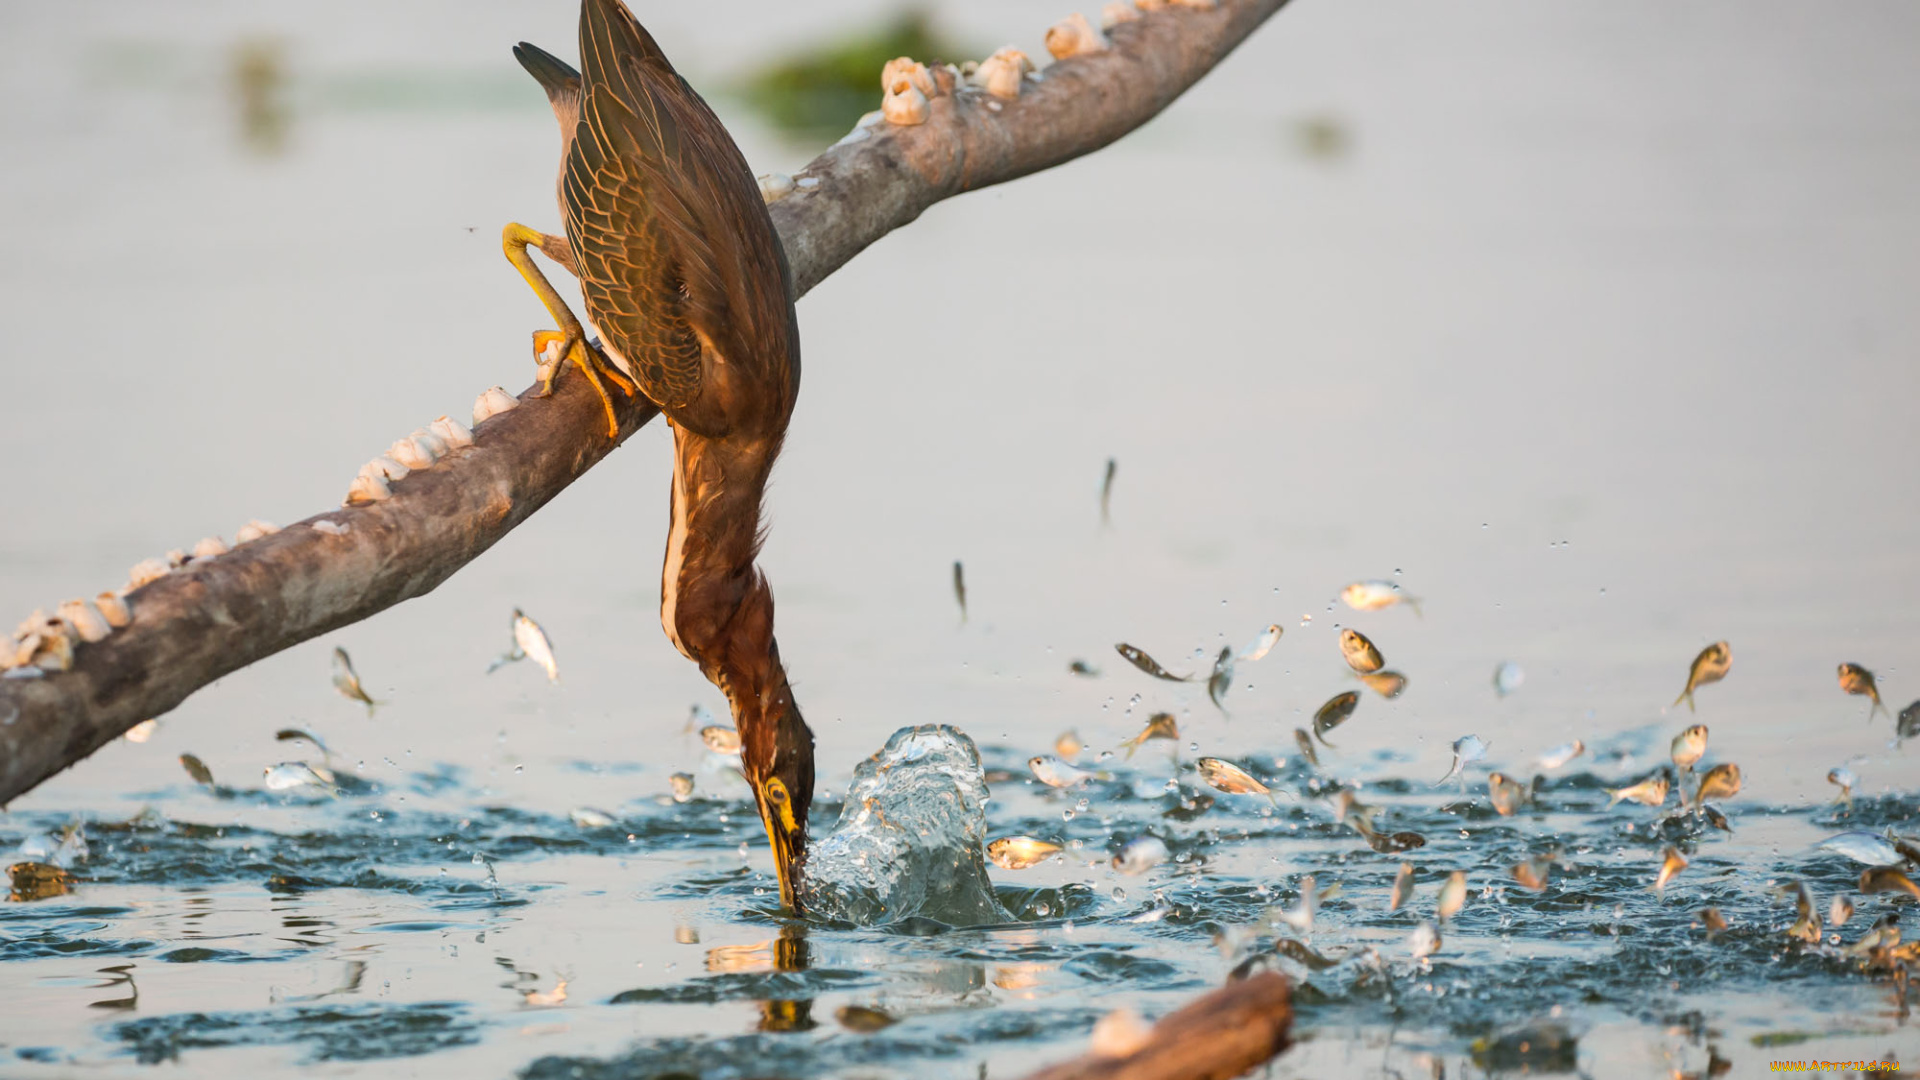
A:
[1717,819]
[862,1019]
[1855,679]
[1300,916]
[1560,755]
[1533,873]
[1506,794]
[1671,863]
[1710,917]
[960,588]
[1230,778]
[1305,743]
[1301,953]
[1393,843]
[1140,855]
[297,735]
[197,769]
[1843,779]
[1068,745]
[1507,678]
[1055,773]
[1261,645]
[1361,654]
[586,817]
[1020,852]
[1649,792]
[1909,725]
[1221,679]
[1148,664]
[1081,667]
[1106,492]
[1710,666]
[1720,782]
[1839,911]
[1334,713]
[1689,746]
[1159,726]
[289,775]
[1350,811]
[1466,750]
[1453,895]
[720,739]
[1806,926]
[142,731]
[1865,848]
[1388,684]
[1374,595]
[1424,941]
[529,641]
[1402,887]
[347,681]
[682,784]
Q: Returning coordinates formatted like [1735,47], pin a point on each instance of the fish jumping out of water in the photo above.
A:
[1710,666]
[1857,680]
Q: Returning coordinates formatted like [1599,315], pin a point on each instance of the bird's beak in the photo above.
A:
[789,853]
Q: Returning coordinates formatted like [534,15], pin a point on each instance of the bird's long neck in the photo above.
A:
[715,605]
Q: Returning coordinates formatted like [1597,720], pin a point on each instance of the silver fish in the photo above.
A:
[1560,755]
[1305,743]
[1424,941]
[298,735]
[1262,645]
[1689,746]
[1221,679]
[1055,773]
[1710,666]
[960,588]
[1159,726]
[1230,778]
[586,817]
[1360,653]
[1453,895]
[720,740]
[1402,887]
[682,784]
[1839,911]
[1106,491]
[529,641]
[1843,779]
[197,769]
[1374,595]
[1140,855]
[1649,792]
[1671,863]
[1148,664]
[1807,926]
[1300,916]
[289,775]
[1506,794]
[1334,713]
[1020,852]
[1507,678]
[1868,849]
[347,681]
[1466,750]
[1388,684]
[1720,782]
[1909,725]
[1855,679]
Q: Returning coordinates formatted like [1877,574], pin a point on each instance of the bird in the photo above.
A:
[684,277]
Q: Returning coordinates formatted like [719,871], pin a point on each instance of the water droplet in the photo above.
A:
[1067,814]
[518,769]
[1119,893]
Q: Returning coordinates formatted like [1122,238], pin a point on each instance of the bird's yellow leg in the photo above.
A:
[514,240]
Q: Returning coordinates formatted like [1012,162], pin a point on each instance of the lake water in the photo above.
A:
[1593,323]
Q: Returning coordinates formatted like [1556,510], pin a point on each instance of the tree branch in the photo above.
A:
[217,615]
[1231,1031]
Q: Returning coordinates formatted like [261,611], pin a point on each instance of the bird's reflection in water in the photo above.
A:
[790,953]
[118,975]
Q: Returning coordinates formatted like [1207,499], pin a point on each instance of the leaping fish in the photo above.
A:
[1710,666]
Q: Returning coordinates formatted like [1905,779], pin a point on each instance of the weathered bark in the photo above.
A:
[217,615]
[1229,1032]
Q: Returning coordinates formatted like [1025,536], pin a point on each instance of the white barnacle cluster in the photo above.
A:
[417,451]
[774,187]
[908,90]
[1001,74]
[1074,36]
[1118,12]
[46,643]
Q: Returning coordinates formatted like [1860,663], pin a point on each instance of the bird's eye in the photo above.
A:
[776,792]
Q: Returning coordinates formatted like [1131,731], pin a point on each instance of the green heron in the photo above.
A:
[685,279]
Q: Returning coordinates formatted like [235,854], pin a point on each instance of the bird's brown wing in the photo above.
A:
[647,191]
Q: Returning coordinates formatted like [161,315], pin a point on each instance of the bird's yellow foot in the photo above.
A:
[552,347]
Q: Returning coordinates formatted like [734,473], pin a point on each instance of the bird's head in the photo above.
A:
[776,754]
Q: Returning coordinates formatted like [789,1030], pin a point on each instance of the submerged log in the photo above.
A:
[219,614]
[1229,1032]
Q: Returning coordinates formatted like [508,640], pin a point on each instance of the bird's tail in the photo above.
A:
[553,74]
